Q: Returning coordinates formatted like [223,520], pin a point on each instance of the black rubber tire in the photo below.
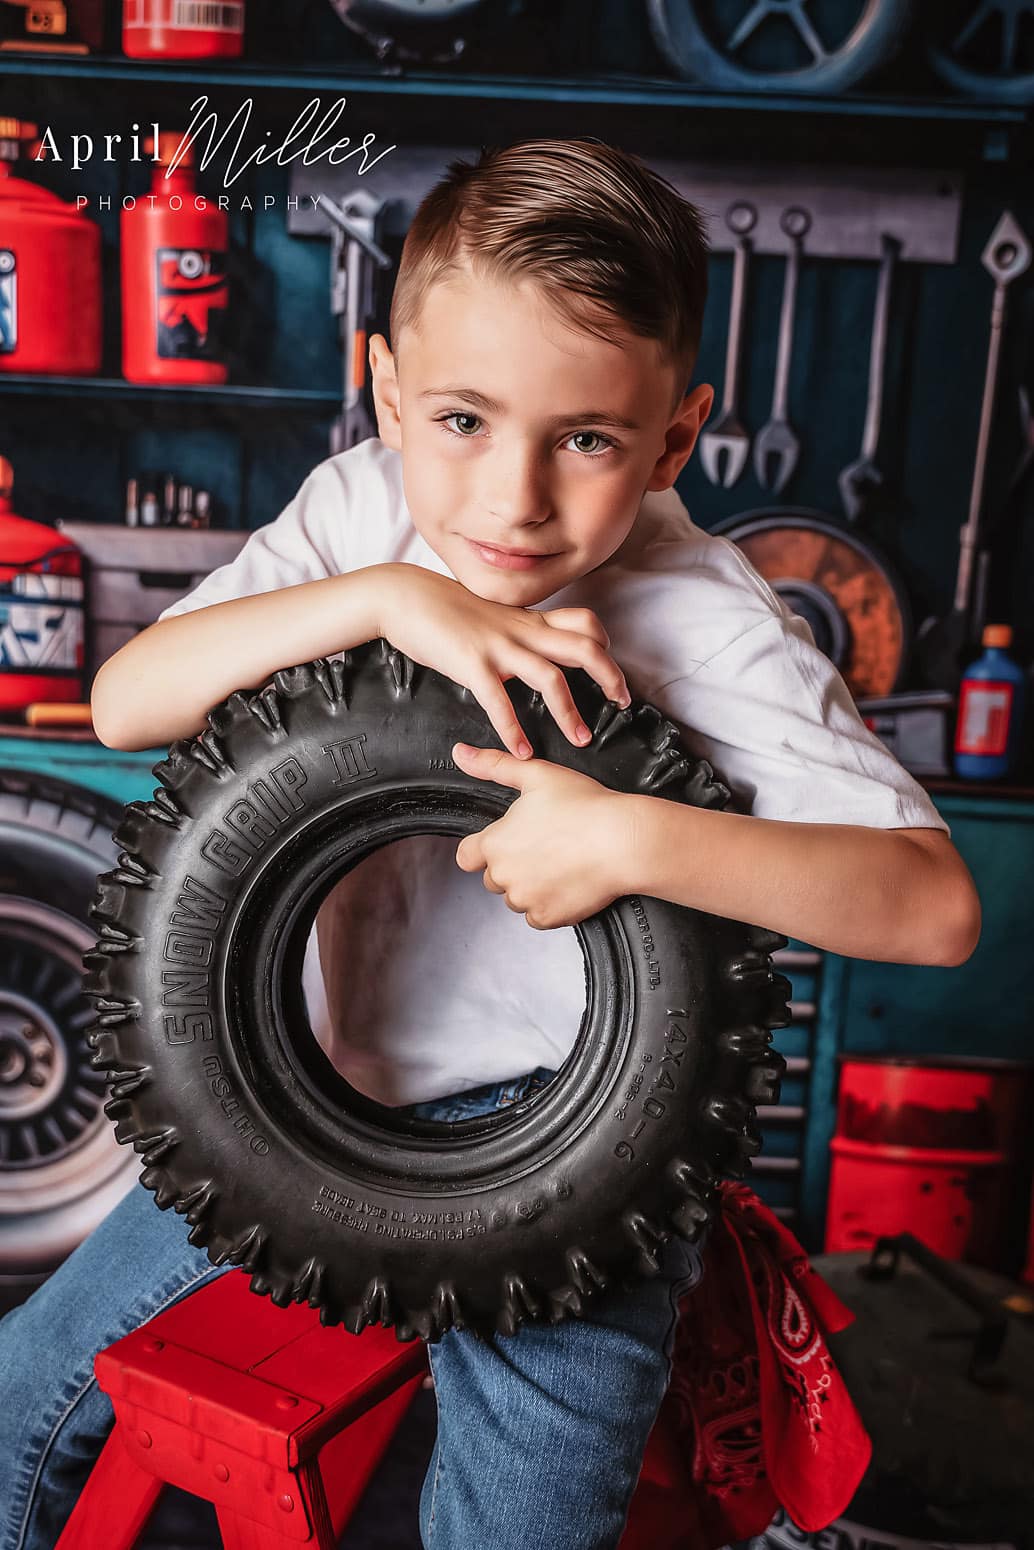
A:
[687,45]
[278,1164]
[60,1170]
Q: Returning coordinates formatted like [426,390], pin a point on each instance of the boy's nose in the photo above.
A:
[518,494]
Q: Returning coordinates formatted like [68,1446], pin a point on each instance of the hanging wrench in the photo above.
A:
[728,434]
[940,642]
[777,439]
[863,475]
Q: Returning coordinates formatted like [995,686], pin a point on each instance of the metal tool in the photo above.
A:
[354,254]
[777,440]
[860,477]
[940,642]
[992,525]
[727,435]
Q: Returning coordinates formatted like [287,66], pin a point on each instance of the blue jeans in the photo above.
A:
[540,1434]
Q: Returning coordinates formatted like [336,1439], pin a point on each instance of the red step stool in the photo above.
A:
[279,1423]
[260,1410]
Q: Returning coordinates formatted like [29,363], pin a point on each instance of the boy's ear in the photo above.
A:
[681,436]
[384,381]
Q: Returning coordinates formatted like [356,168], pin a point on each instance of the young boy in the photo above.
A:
[516,512]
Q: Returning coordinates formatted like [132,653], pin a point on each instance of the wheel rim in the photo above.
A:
[50,1095]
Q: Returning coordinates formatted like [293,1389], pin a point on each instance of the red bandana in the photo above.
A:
[757,1415]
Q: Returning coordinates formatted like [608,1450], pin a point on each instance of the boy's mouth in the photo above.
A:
[507,559]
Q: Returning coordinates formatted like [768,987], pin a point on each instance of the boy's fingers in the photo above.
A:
[581,621]
[493,764]
[495,702]
[548,679]
[575,649]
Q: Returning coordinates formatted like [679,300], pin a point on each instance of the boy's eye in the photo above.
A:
[459,414]
[467,424]
[602,442]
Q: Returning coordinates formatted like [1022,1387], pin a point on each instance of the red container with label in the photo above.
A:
[935,1146]
[50,273]
[183,29]
[175,291]
[41,610]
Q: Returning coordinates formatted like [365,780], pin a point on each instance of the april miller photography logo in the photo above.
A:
[207,137]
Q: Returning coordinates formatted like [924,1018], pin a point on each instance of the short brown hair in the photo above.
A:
[595,227]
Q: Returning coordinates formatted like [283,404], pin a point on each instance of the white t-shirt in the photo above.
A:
[475,994]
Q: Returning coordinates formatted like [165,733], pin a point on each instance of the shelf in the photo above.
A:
[612,89]
[235,396]
[975,788]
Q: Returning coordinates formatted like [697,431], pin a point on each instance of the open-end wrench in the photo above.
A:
[778,440]
[939,643]
[863,475]
[727,435]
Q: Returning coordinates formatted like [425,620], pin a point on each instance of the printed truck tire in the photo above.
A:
[323,1195]
[60,1170]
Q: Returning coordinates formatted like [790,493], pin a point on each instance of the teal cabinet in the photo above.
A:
[986,1005]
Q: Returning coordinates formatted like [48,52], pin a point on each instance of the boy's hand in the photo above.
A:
[558,853]
[480,644]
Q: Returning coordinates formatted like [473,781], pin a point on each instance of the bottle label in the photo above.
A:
[985,710]
[8,302]
[186,15]
[192,297]
[208,15]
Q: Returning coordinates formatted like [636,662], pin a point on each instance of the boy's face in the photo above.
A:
[506,417]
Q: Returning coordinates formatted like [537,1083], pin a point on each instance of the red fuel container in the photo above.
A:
[41,610]
[183,29]
[50,273]
[938,1147]
[174,284]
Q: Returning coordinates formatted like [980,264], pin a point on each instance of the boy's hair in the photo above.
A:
[600,232]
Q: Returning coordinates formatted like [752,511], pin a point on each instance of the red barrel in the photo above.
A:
[41,610]
[183,29]
[50,273]
[936,1146]
[174,283]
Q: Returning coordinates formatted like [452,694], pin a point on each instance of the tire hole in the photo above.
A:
[403,1016]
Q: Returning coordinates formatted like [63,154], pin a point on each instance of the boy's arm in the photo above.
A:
[895,895]
[161,684]
[569,846]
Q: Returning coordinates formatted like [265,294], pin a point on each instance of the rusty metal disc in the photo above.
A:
[840,583]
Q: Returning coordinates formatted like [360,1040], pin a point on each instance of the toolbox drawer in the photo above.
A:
[133,573]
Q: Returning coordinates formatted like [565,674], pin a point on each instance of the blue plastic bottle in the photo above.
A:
[990,715]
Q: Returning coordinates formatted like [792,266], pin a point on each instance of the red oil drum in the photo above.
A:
[936,1146]
[50,273]
[174,283]
[41,610]
[183,29]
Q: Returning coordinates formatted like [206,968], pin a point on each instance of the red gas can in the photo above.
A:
[50,273]
[41,610]
[183,29]
[174,283]
[936,1146]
